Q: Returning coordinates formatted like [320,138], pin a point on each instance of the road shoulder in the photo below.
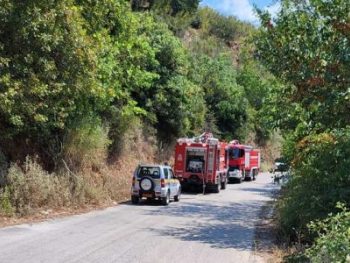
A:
[265,240]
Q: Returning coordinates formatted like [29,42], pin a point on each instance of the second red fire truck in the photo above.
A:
[243,162]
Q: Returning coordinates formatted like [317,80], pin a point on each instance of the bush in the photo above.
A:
[6,207]
[226,28]
[333,242]
[320,180]
[3,168]
[30,188]
[86,146]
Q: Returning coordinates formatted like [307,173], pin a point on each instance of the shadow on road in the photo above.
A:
[217,235]
[153,202]
[263,191]
[230,226]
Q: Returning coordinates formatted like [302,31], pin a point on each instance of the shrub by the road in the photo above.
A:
[321,180]
[301,46]
[31,189]
[333,243]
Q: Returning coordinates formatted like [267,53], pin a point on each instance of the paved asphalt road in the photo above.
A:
[211,228]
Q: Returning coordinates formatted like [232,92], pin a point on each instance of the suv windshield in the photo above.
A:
[153,172]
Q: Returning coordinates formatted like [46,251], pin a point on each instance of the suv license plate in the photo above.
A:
[147,195]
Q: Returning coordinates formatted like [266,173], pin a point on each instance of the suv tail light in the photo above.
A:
[162,183]
[133,181]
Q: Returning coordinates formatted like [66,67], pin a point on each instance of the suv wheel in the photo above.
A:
[135,199]
[223,184]
[177,197]
[146,184]
[166,200]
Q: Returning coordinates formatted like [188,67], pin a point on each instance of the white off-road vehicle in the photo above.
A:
[155,182]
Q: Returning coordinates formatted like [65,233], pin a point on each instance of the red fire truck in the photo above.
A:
[243,163]
[201,162]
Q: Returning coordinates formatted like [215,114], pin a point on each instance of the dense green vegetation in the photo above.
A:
[307,46]
[81,79]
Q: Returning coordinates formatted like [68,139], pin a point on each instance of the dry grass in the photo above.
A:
[86,179]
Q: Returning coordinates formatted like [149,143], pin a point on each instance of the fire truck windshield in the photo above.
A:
[235,153]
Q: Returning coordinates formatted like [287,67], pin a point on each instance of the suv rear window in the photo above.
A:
[166,174]
[153,172]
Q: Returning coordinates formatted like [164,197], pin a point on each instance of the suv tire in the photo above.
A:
[223,184]
[135,199]
[148,179]
[166,200]
[177,197]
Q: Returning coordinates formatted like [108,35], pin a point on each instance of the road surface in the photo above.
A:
[211,228]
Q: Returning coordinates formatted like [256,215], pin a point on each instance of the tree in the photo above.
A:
[47,73]
[168,100]
[308,45]
[223,96]
[173,7]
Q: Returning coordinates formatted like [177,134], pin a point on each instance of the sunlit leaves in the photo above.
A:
[308,46]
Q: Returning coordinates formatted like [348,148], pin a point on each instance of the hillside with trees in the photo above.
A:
[91,88]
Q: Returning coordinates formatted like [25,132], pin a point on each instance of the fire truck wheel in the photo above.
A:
[166,200]
[217,188]
[135,200]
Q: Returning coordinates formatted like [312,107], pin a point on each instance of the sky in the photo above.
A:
[242,9]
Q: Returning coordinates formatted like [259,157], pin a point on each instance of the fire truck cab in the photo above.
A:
[201,162]
[243,162]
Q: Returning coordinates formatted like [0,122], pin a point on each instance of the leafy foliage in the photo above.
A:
[172,7]
[97,59]
[307,47]
[223,27]
[47,65]
[259,87]
[223,96]
[333,244]
[320,181]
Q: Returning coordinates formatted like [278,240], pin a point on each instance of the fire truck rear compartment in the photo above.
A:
[195,164]
[195,160]
[201,161]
